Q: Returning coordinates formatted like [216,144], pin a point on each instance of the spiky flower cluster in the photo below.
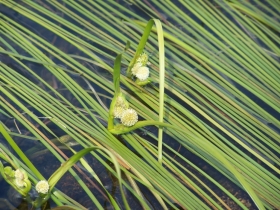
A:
[118,111]
[140,70]
[19,178]
[19,174]
[42,187]
[129,117]
[142,73]
[122,111]
[135,68]
[120,106]
[143,59]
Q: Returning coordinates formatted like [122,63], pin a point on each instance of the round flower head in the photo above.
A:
[129,117]
[121,102]
[118,111]
[142,73]
[19,178]
[135,68]
[20,182]
[19,175]
[42,187]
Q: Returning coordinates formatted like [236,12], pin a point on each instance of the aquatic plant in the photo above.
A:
[220,104]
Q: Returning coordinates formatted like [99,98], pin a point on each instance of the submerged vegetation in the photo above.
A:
[182,112]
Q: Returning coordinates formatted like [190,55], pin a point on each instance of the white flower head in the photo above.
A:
[121,102]
[19,178]
[135,68]
[42,187]
[118,111]
[142,73]
[129,117]
[19,174]
[20,183]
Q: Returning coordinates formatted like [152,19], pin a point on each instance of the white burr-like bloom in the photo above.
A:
[142,73]
[129,117]
[19,178]
[135,68]
[19,174]
[20,182]
[118,111]
[42,187]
